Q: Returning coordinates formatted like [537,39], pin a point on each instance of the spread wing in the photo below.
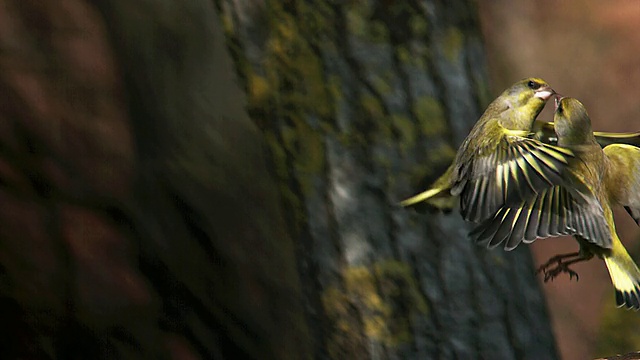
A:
[545,132]
[519,168]
[554,211]
[607,138]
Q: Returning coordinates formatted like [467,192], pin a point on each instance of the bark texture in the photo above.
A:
[139,220]
[145,215]
[359,102]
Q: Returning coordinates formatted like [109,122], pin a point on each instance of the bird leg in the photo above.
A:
[556,260]
[561,263]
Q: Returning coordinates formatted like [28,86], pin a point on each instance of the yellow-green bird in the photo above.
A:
[486,162]
[597,180]
[439,196]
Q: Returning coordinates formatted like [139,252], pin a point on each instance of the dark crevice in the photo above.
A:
[328,326]
[511,332]
[432,69]
[437,237]
[470,65]
[179,302]
[409,103]
[66,340]
[198,228]
[317,51]
[305,242]
[235,48]
[342,41]
[362,125]
[479,314]
[435,337]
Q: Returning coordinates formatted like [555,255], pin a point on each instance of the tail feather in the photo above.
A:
[625,276]
[423,196]
[438,195]
[440,199]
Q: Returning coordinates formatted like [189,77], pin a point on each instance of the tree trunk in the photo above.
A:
[145,215]
[358,103]
[139,220]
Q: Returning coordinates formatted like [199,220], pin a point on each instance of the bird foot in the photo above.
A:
[552,273]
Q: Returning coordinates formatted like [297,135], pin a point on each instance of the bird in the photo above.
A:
[488,159]
[594,182]
[439,196]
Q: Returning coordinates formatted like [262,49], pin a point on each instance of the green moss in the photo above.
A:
[334,86]
[380,293]
[361,284]
[356,23]
[292,85]
[404,55]
[619,331]
[306,148]
[407,130]
[378,32]
[310,160]
[295,71]
[381,84]
[279,154]
[289,138]
[258,90]
[419,26]
[453,42]
[317,19]
[227,23]
[360,24]
[396,280]
[442,154]
[371,106]
[430,116]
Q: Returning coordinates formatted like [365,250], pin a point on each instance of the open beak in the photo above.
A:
[544,93]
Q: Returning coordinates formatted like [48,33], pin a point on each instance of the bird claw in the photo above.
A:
[557,271]
[545,267]
[550,274]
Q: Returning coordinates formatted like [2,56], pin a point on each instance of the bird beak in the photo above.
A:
[544,93]
[558,99]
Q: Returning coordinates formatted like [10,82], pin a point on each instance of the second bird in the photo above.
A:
[596,181]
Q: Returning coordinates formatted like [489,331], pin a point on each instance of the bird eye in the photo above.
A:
[533,85]
[559,110]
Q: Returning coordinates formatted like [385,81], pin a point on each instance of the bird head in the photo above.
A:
[571,121]
[533,91]
[523,101]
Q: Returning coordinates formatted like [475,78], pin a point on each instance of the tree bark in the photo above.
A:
[145,215]
[139,220]
[358,103]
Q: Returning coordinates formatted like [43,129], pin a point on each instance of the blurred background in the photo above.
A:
[177,189]
[589,50]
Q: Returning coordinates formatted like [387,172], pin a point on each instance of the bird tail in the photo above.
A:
[625,276]
[438,195]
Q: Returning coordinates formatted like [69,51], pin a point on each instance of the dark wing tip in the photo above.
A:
[629,299]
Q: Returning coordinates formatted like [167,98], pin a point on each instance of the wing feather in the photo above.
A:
[554,211]
[517,169]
